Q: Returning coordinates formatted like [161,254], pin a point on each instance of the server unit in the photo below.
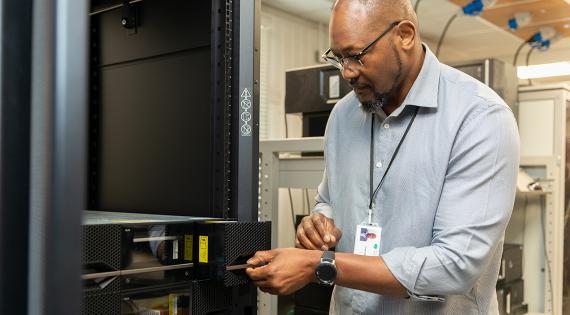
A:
[313,91]
[156,264]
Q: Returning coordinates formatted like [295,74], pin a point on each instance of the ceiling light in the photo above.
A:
[544,71]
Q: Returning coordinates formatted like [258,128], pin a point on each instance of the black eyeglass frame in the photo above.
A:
[339,63]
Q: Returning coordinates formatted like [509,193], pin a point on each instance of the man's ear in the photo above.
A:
[407,33]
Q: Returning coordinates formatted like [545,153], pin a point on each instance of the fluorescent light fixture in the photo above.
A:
[544,71]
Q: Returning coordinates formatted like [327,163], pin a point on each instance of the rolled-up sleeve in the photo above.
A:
[473,211]
[322,198]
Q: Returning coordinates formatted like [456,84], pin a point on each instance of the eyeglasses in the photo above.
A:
[354,61]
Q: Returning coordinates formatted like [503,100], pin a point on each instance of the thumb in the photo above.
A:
[327,236]
[336,234]
[261,258]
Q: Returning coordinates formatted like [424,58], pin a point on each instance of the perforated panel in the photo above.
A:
[106,301]
[209,296]
[101,244]
[244,239]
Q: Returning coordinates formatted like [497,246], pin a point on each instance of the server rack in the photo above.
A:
[58,117]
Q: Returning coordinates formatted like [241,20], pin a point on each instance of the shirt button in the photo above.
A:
[379,164]
[386,126]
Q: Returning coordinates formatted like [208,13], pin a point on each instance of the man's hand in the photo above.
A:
[317,232]
[283,270]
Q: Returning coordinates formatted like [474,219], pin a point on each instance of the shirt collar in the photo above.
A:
[424,91]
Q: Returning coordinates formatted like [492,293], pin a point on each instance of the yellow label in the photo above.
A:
[203,249]
[188,242]
[172,304]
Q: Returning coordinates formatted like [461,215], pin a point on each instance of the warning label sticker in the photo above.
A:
[203,249]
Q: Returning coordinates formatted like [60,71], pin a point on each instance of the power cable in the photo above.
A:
[308,202]
[447,25]
[294,219]
[516,57]
[528,62]
[546,257]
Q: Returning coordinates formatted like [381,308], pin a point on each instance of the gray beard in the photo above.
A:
[376,105]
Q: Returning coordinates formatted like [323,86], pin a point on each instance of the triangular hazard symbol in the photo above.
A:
[245,93]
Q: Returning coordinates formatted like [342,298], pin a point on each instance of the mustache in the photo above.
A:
[360,86]
[355,85]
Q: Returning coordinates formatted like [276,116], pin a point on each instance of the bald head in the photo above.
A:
[379,12]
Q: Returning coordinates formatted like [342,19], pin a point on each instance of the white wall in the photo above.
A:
[287,42]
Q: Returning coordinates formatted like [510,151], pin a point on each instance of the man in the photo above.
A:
[421,167]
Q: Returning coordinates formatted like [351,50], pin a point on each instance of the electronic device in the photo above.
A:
[312,92]
[511,298]
[173,141]
[511,264]
[136,263]
[325,272]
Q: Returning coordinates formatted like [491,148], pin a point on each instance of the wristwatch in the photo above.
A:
[326,269]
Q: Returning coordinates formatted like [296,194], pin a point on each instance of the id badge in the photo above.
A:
[367,240]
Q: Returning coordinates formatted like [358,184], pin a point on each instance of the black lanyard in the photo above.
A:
[373,194]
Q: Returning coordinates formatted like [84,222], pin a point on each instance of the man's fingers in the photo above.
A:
[336,233]
[304,241]
[313,234]
[257,274]
[261,258]
[320,223]
[329,232]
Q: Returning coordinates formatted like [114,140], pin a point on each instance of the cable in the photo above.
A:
[525,205]
[528,60]
[547,262]
[440,42]
[308,202]
[416,5]
[294,219]
[286,126]
[516,57]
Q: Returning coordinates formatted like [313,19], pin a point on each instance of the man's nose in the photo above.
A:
[349,74]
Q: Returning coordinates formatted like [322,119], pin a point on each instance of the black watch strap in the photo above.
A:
[328,256]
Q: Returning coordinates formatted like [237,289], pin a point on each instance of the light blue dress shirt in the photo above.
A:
[446,200]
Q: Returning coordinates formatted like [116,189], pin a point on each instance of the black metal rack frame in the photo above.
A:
[45,110]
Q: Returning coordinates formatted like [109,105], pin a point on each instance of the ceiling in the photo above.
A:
[554,13]
[468,38]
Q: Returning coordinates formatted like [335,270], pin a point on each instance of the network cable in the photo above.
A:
[294,219]
[440,41]
[474,8]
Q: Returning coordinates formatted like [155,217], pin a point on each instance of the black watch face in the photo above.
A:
[326,272]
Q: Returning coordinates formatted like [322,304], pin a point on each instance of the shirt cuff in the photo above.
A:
[405,263]
[324,209]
